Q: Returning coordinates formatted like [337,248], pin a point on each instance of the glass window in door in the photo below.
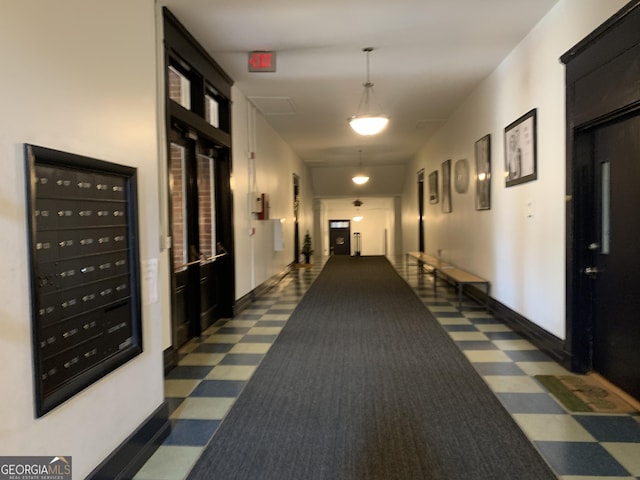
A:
[206,207]
[178,189]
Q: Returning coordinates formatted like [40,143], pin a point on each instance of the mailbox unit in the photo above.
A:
[85,279]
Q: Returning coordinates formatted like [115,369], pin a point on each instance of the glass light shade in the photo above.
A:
[357,218]
[368,124]
[360,179]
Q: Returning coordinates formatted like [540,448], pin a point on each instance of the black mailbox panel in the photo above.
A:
[85,271]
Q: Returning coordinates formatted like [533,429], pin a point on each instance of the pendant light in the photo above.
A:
[367,121]
[357,217]
[360,178]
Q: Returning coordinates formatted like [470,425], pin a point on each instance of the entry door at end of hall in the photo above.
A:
[193,220]
[339,237]
[615,247]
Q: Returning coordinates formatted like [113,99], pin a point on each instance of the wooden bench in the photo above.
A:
[451,272]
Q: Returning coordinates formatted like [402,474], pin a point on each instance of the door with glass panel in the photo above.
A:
[421,210]
[339,237]
[613,246]
[195,248]
[296,224]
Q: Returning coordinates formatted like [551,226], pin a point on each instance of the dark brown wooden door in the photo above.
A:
[615,271]
[340,237]
[197,252]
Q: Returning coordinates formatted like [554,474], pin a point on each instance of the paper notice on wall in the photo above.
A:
[150,280]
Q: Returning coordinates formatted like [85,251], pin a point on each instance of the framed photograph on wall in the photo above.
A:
[446,186]
[483,173]
[520,150]
[461,175]
[433,187]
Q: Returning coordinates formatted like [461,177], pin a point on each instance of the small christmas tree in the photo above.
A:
[306,247]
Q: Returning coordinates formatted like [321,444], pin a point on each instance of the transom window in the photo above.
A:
[179,88]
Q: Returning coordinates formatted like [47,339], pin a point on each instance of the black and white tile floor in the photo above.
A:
[213,370]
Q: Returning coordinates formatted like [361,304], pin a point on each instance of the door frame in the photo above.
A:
[597,92]
[296,224]
[421,213]
[183,298]
[347,236]
[208,87]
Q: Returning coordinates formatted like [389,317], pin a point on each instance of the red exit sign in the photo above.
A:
[262,61]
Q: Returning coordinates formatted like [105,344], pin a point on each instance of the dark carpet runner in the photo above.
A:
[363,383]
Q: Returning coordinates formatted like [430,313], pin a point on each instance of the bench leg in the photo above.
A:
[460,285]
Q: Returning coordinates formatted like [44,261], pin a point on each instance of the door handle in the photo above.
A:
[188,264]
[591,272]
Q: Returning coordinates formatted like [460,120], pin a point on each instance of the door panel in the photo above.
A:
[421,210]
[194,243]
[179,323]
[296,225]
[616,253]
[339,237]
[178,192]
[207,238]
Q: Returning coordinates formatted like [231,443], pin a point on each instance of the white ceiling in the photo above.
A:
[428,56]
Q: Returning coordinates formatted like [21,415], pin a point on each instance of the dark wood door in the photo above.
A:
[616,252]
[296,224]
[421,210]
[339,237]
[196,250]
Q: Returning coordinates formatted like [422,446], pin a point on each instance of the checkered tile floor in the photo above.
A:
[213,370]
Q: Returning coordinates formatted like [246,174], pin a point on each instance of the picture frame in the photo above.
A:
[520,159]
[446,186]
[461,176]
[483,173]
[433,187]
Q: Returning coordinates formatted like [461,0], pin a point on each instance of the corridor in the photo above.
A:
[213,371]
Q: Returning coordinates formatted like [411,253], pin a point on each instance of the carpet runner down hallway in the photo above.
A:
[575,445]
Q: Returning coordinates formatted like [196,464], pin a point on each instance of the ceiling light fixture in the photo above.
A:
[360,178]
[366,122]
[357,217]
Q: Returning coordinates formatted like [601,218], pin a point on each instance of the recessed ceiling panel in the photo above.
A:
[274,105]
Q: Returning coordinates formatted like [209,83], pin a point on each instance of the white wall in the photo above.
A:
[377,228]
[519,245]
[271,172]
[78,76]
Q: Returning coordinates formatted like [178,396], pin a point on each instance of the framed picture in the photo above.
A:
[433,187]
[461,175]
[520,150]
[446,186]
[483,173]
